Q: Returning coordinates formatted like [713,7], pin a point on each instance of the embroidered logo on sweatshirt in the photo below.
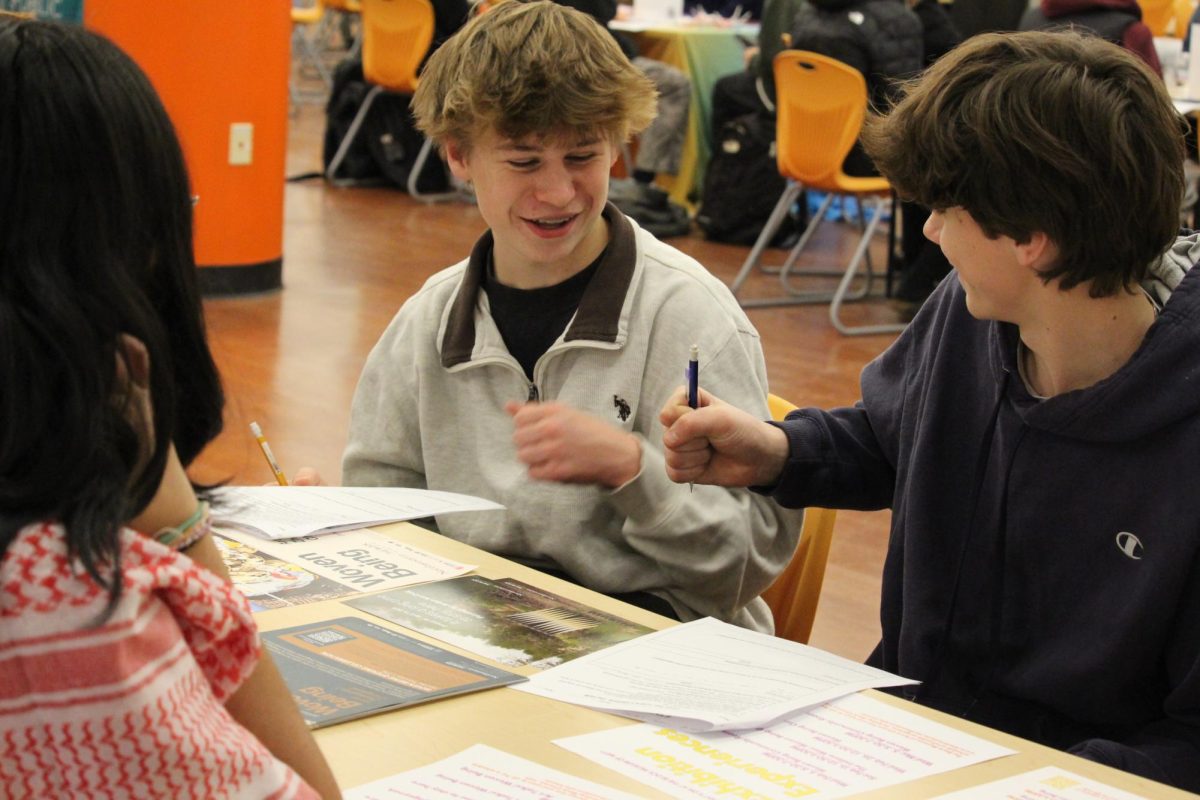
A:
[623,410]
[1130,545]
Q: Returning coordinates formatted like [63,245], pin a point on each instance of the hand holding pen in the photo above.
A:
[719,444]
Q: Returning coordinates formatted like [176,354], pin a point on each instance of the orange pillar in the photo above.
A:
[217,65]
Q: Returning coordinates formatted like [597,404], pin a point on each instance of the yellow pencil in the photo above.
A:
[266,449]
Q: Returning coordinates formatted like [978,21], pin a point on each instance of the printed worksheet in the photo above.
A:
[483,771]
[850,745]
[1048,783]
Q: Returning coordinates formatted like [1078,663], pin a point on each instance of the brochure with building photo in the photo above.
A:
[505,620]
[346,668]
[273,574]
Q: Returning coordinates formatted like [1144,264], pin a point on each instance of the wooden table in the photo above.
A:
[526,725]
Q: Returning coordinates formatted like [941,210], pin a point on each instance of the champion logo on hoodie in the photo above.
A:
[1130,545]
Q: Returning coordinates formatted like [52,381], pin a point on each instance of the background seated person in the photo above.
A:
[984,16]
[660,145]
[1116,21]
[530,373]
[882,39]
[924,265]
[885,40]
[753,89]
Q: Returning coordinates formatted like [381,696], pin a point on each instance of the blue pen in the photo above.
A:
[693,377]
[693,384]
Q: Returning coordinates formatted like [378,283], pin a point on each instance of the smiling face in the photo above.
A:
[998,275]
[542,198]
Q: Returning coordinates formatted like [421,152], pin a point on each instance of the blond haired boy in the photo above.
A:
[531,372]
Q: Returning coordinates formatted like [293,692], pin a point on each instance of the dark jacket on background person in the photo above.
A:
[1043,567]
[1117,21]
[924,264]
[774,34]
[938,32]
[980,16]
[882,39]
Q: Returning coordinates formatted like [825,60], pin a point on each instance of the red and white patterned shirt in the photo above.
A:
[132,707]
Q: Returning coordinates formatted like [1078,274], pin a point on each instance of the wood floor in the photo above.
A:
[290,359]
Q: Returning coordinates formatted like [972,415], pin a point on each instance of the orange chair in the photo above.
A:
[308,15]
[794,595]
[396,35]
[1157,14]
[820,106]
[1182,14]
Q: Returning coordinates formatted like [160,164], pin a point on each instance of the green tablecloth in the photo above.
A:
[704,55]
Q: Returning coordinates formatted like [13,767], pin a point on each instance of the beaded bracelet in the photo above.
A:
[193,529]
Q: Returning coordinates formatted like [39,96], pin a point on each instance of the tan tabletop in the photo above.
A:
[526,725]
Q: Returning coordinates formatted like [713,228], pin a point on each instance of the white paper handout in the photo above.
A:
[853,744]
[484,772]
[707,675]
[1047,783]
[365,561]
[285,512]
[658,10]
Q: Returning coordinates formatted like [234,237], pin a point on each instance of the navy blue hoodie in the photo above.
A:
[1043,567]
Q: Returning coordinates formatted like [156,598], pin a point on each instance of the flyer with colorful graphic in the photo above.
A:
[346,668]
[273,574]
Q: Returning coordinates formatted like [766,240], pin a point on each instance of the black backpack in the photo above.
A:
[388,143]
[742,185]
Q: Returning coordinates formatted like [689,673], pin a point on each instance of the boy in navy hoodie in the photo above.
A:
[1036,428]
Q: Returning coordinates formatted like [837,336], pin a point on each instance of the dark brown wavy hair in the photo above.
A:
[1060,133]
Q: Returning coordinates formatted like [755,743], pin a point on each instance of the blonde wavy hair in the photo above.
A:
[532,69]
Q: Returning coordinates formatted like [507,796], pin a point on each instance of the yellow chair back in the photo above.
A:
[1157,15]
[794,595]
[308,15]
[820,106]
[396,35]
[1183,17]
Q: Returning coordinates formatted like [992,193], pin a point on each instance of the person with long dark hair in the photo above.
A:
[128,664]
